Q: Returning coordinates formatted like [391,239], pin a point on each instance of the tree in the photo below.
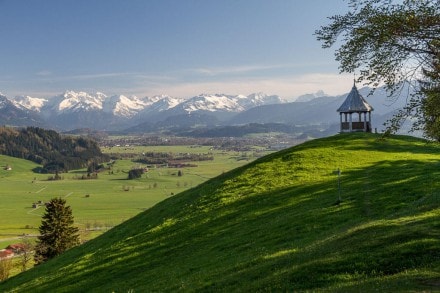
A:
[392,43]
[5,268]
[26,253]
[57,233]
[430,122]
[135,173]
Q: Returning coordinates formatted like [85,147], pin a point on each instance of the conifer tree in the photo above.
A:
[57,233]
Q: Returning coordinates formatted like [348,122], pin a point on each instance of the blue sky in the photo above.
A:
[175,47]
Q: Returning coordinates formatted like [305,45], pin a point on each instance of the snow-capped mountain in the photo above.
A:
[4,102]
[258,99]
[162,103]
[217,107]
[309,97]
[211,103]
[10,114]
[29,103]
[131,114]
[123,106]
[227,103]
[72,101]
[81,109]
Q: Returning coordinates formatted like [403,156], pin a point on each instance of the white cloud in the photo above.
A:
[44,73]
[286,87]
[235,69]
[213,71]
[181,85]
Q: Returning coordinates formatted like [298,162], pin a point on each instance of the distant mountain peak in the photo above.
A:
[78,109]
[309,97]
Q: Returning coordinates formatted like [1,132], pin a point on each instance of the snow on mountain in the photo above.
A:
[211,103]
[10,114]
[163,103]
[29,103]
[128,107]
[72,101]
[3,101]
[156,106]
[309,97]
[258,99]
[117,105]
[228,103]
[123,106]
[81,109]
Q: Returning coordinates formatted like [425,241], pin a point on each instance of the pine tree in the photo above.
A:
[57,233]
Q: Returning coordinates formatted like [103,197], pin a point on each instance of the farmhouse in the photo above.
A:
[16,248]
[6,253]
[355,104]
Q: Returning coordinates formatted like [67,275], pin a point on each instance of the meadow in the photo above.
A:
[98,204]
[276,225]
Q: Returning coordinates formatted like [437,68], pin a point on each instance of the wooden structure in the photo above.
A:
[355,113]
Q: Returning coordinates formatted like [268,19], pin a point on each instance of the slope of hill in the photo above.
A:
[276,225]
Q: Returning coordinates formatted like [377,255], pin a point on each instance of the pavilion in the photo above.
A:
[355,104]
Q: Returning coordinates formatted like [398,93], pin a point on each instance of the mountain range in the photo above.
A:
[75,110]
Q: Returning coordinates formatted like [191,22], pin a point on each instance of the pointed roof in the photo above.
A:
[354,103]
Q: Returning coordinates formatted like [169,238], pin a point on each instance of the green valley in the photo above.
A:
[275,224]
[101,203]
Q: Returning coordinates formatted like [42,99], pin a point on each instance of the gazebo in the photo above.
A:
[355,104]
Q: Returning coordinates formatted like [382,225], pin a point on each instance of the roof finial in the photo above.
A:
[354,79]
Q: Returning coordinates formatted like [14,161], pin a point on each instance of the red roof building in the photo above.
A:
[6,253]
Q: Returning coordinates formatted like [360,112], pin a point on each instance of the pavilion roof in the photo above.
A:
[355,103]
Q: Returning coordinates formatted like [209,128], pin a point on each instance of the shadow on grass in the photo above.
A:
[290,238]
[391,144]
[39,170]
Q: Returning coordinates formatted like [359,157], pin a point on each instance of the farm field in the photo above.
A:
[102,203]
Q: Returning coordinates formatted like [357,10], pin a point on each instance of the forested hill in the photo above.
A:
[49,148]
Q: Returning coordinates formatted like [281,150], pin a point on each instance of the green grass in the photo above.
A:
[276,225]
[112,199]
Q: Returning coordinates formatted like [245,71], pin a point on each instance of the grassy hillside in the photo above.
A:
[112,198]
[275,225]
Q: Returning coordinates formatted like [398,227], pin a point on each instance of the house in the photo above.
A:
[16,248]
[6,253]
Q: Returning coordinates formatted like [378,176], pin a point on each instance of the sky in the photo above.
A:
[180,48]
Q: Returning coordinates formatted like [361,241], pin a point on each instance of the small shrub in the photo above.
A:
[135,173]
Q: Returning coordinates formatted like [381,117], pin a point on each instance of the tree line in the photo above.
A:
[166,158]
[55,152]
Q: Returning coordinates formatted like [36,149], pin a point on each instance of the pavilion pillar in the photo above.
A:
[340,121]
[351,123]
[365,121]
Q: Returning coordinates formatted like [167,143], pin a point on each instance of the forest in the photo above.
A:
[56,153]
